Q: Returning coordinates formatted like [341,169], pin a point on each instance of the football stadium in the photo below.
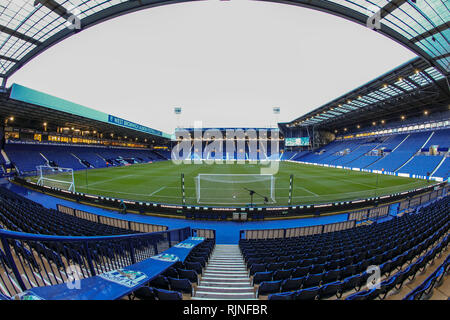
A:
[347,200]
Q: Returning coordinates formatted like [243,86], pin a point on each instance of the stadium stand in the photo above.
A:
[26,157]
[20,214]
[402,153]
[405,153]
[329,264]
[434,280]
[397,123]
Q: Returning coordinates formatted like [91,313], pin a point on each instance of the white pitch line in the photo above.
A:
[154,192]
[104,181]
[355,182]
[315,194]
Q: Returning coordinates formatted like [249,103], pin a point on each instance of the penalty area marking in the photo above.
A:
[155,192]
[302,188]
[104,181]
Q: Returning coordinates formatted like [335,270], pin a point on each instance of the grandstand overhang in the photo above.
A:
[409,88]
[31,109]
[29,28]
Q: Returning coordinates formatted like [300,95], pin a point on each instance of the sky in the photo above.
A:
[225,63]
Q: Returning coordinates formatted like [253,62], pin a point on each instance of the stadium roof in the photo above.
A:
[29,27]
[422,26]
[30,108]
[410,86]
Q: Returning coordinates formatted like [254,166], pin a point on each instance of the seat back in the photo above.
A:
[194,266]
[282,296]
[262,276]
[145,293]
[267,287]
[183,285]
[330,289]
[292,284]
[282,274]
[307,294]
[191,275]
[313,280]
[160,282]
[162,294]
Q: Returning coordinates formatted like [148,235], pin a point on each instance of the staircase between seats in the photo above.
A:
[440,164]
[225,276]
[81,162]
[382,157]
[404,164]
[5,157]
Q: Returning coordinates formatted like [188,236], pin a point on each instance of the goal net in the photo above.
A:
[61,178]
[229,189]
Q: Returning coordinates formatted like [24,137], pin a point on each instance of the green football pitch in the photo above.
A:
[161,182]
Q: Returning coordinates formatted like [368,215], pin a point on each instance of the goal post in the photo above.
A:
[55,177]
[235,189]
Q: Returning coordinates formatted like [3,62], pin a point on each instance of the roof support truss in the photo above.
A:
[55,7]
[19,35]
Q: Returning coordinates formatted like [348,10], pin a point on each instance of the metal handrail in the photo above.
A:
[35,260]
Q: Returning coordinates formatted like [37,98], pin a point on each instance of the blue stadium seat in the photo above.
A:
[162,294]
[183,285]
[282,296]
[307,294]
[292,284]
[267,287]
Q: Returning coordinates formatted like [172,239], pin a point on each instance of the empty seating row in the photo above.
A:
[26,157]
[178,279]
[322,259]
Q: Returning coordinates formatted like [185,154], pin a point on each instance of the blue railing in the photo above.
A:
[31,260]
[295,232]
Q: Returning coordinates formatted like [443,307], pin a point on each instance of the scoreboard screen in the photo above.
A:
[295,142]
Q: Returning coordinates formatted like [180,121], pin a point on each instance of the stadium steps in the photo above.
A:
[46,160]
[5,157]
[362,155]
[400,143]
[81,162]
[389,153]
[104,159]
[225,276]
[439,165]
[379,158]
[404,164]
